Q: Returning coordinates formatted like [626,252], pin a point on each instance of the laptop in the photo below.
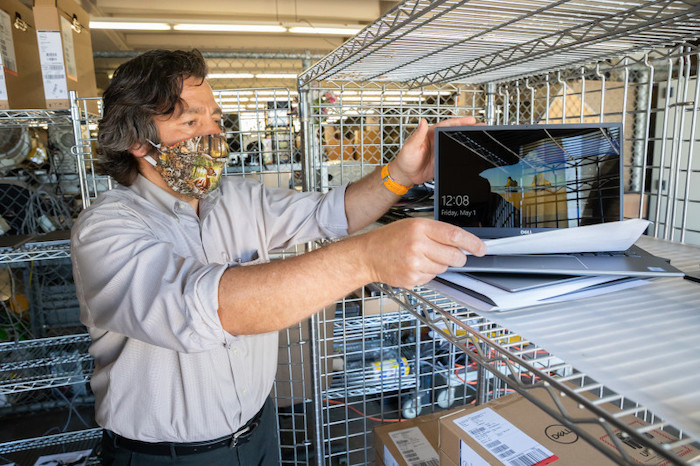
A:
[501,181]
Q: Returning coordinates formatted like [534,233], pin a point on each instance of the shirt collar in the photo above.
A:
[154,194]
[166,201]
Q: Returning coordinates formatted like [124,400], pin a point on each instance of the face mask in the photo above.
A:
[192,167]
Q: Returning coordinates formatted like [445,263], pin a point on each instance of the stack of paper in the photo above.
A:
[486,291]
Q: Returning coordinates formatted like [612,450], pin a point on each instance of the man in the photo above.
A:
[173,278]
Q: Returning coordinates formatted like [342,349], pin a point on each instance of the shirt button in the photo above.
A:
[235,350]
[244,391]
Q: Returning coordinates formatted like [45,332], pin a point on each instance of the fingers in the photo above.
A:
[459,121]
[456,237]
[415,250]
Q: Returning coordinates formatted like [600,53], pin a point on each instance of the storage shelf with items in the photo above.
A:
[44,361]
[544,62]
[80,444]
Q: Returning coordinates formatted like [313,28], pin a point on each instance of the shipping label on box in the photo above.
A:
[502,439]
[52,66]
[414,448]
[68,49]
[4,99]
[7,46]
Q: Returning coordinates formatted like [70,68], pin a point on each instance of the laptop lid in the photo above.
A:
[498,181]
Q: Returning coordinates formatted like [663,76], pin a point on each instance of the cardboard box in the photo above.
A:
[514,428]
[420,435]
[20,76]
[372,303]
[65,51]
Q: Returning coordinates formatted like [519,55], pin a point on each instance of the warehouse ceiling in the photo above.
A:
[236,52]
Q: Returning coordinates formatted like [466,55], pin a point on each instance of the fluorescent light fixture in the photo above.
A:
[128,25]
[229,27]
[277,93]
[230,75]
[276,76]
[339,30]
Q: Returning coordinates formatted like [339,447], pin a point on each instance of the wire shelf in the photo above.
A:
[426,42]
[17,118]
[27,451]
[44,363]
[21,254]
[513,359]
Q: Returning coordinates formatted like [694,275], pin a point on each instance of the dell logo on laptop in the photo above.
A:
[525,232]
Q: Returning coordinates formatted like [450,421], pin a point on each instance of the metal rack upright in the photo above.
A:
[535,61]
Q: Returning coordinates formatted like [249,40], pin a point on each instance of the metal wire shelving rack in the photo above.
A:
[44,363]
[523,62]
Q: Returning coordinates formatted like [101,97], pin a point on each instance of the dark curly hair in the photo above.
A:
[146,86]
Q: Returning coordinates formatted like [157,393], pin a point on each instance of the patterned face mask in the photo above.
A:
[192,167]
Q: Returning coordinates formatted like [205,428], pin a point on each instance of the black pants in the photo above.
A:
[260,449]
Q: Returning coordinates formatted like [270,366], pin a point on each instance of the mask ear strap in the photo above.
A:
[150,160]
[157,146]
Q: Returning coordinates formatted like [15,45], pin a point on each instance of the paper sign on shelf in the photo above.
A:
[7,46]
[52,68]
[69,49]
[3,87]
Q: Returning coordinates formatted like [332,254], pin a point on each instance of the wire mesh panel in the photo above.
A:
[353,128]
[65,448]
[378,364]
[655,96]
[372,363]
[544,62]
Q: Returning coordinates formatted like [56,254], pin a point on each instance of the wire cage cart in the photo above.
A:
[533,62]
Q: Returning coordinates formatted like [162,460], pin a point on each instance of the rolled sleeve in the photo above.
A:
[293,218]
[131,282]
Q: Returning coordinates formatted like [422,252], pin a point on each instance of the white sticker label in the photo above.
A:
[389,458]
[7,46]
[414,447]
[69,49]
[503,440]
[468,457]
[3,88]
[52,69]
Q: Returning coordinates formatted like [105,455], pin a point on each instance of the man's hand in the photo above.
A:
[415,162]
[411,252]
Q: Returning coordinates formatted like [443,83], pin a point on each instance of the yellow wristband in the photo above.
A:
[391,184]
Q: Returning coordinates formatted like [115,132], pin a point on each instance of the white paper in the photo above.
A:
[505,300]
[612,236]
[414,447]
[468,457]
[7,46]
[52,69]
[3,87]
[479,305]
[389,458]
[502,439]
[68,48]
[74,458]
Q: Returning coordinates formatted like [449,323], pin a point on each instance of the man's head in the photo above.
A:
[145,93]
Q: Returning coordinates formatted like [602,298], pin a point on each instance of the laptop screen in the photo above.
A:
[500,181]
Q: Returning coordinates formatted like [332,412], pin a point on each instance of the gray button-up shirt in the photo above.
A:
[147,273]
